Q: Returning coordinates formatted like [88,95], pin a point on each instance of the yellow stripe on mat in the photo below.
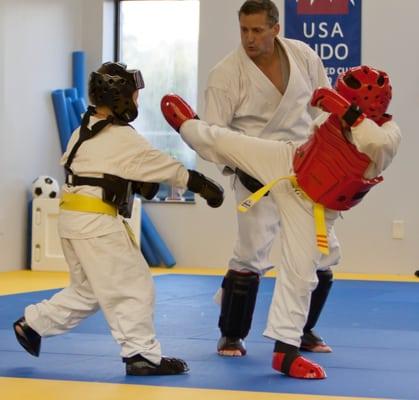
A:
[13,282]
[41,389]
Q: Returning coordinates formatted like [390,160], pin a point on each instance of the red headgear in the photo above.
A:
[366,87]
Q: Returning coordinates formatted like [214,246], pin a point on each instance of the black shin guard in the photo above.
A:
[238,303]
[318,298]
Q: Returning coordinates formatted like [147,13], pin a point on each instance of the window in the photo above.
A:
[161,39]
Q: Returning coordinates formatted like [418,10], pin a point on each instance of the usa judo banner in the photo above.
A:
[331,27]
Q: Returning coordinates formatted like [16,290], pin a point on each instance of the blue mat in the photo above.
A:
[373,328]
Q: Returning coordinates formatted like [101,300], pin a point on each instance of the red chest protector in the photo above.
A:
[330,169]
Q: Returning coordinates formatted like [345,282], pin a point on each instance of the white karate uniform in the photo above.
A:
[107,270]
[240,96]
[269,159]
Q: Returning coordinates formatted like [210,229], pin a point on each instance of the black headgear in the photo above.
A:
[113,86]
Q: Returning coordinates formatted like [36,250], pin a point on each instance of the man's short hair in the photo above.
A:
[258,6]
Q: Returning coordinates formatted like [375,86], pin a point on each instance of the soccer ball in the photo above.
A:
[46,187]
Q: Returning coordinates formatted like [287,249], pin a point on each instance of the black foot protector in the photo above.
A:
[27,337]
[140,366]
[310,341]
[233,346]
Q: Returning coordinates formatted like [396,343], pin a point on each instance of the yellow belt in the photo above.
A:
[89,204]
[318,210]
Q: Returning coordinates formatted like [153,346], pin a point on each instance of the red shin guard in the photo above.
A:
[176,110]
[299,367]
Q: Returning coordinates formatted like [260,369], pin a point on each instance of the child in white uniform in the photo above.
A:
[365,130]
[106,162]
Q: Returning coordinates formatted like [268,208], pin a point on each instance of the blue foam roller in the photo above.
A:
[79,76]
[79,106]
[62,117]
[146,249]
[155,240]
[76,113]
[72,93]
[74,123]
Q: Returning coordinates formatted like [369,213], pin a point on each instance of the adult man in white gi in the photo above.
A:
[330,172]
[263,89]
[106,162]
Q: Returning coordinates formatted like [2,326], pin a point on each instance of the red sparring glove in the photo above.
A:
[331,101]
[176,110]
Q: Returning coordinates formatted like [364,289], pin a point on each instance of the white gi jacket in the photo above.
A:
[116,150]
[239,95]
[266,160]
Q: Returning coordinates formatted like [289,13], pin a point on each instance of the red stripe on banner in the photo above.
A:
[331,7]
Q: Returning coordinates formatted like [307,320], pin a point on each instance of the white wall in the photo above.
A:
[389,32]
[36,41]
[37,38]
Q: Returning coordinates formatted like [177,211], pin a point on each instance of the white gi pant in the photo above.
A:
[295,282]
[257,230]
[299,261]
[106,272]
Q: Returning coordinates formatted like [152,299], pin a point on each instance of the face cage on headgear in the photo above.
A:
[366,87]
[115,88]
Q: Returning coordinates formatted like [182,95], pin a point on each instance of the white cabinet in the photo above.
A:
[46,251]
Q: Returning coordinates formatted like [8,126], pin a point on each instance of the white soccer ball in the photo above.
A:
[46,187]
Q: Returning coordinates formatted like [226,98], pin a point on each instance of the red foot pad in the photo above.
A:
[176,110]
[300,367]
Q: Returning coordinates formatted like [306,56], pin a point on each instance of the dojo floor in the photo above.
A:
[372,323]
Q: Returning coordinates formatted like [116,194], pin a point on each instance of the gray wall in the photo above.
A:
[36,41]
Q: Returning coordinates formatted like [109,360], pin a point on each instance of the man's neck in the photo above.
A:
[266,60]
